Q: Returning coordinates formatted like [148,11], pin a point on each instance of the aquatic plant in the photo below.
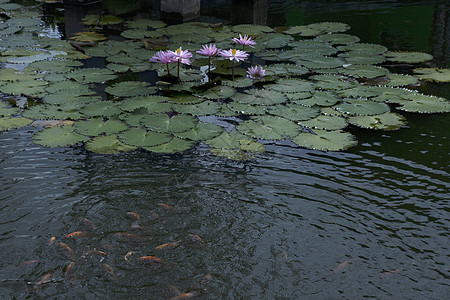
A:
[163,57]
[210,51]
[180,56]
[234,55]
[256,72]
[244,41]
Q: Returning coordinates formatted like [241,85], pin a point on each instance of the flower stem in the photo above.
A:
[209,67]
[232,72]
[168,70]
[178,72]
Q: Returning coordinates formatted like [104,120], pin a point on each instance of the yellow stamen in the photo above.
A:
[178,50]
[233,52]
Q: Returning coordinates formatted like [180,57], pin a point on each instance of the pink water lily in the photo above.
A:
[210,51]
[181,57]
[256,72]
[234,55]
[244,41]
[163,57]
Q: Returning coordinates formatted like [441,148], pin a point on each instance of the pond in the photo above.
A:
[290,222]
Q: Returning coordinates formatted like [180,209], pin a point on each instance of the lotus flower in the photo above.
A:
[210,51]
[234,55]
[163,57]
[256,72]
[181,56]
[244,41]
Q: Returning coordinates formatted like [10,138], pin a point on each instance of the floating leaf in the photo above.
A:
[88,36]
[185,99]
[252,30]
[333,82]
[140,137]
[424,104]
[281,125]
[117,68]
[338,38]
[238,83]
[201,109]
[12,123]
[227,140]
[259,97]
[401,80]
[219,92]
[101,20]
[108,144]
[58,137]
[320,62]
[325,122]
[363,47]
[433,74]
[408,57]
[175,145]
[318,28]
[294,112]
[291,86]
[90,75]
[101,109]
[6,111]
[154,104]
[363,71]
[28,87]
[202,131]
[285,70]
[273,40]
[319,98]
[362,58]
[356,107]
[335,140]
[97,126]
[232,154]
[130,89]
[51,112]
[145,24]
[247,109]
[386,121]
[163,123]
[258,130]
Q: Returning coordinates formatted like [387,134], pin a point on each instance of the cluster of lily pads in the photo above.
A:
[317,81]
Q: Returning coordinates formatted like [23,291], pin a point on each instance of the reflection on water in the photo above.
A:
[293,224]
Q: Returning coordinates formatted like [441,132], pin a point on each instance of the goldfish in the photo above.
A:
[43,279]
[94,252]
[206,279]
[78,234]
[110,271]
[386,274]
[73,279]
[127,256]
[196,238]
[134,216]
[341,266]
[174,290]
[136,225]
[168,207]
[68,249]
[129,236]
[69,268]
[51,241]
[168,246]
[151,259]
[186,295]
[27,263]
[88,223]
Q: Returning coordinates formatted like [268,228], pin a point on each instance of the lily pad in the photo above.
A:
[233,154]
[163,123]
[154,104]
[91,75]
[335,140]
[356,107]
[108,144]
[258,130]
[259,97]
[285,70]
[202,131]
[408,57]
[219,92]
[175,145]
[13,123]
[201,109]
[386,121]
[319,98]
[325,122]
[424,104]
[60,136]
[88,36]
[97,126]
[247,109]
[294,112]
[51,112]
[130,89]
[227,140]
[333,82]
[338,39]
[433,74]
[101,109]
[140,137]
[401,80]
[291,86]
[252,30]
[364,47]
[6,111]
[185,99]
[101,20]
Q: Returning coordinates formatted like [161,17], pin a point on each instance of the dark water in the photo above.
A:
[272,228]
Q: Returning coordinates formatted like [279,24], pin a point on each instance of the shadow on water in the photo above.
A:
[294,224]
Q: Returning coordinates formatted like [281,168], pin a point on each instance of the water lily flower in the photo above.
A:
[181,57]
[210,51]
[163,57]
[234,55]
[244,41]
[256,72]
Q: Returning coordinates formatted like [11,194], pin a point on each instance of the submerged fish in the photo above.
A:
[195,238]
[128,255]
[43,279]
[94,252]
[129,236]
[27,263]
[78,234]
[391,272]
[168,246]
[69,268]
[68,250]
[134,216]
[150,258]
[166,206]
[88,223]
[341,266]
[186,295]
[110,271]
[51,241]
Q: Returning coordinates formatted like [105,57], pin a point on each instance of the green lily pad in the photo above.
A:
[356,107]
[6,111]
[325,123]
[154,104]
[247,109]
[338,39]
[13,123]
[364,47]
[28,87]
[97,126]
[145,24]
[259,97]
[363,71]
[204,108]
[219,92]
[227,140]
[424,104]
[101,20]
[163,123]
[285,70]
[202,131]
[91,75]
[273,40]
[117,68]
[333,82]
[397,80]
[252,30]
[60,136]
[280,125]
[108,144]
[320,62]
[386,121]
[52,112]
[294,112]
[140,137]
[233,154]
[130,89]
[185,99]
[335,140]
[101,109]
[408,57]
[258,130]
[317,28]
[291,86]
[433,74]
[88,36]
[319,98]
[362,58]
[175,145]
[238,83]
[69,87]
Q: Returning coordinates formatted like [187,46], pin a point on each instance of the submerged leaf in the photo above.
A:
[175,145]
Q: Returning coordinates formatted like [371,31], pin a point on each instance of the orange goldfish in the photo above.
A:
[386,274]
[129,236]
[151,259]
[94,252]
[51,241]
[186,295]
[196,238]
[44,279]
[27,263]
[168,207]
[134,216]
[168,246]
[110,271]
[128,255]
[68,249]
[69,268]
[78,234]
